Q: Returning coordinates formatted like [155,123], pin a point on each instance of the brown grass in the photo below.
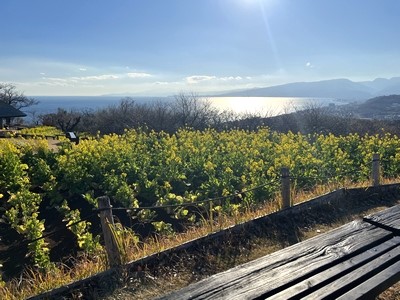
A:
[185,270]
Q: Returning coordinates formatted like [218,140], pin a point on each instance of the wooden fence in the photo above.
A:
[106,216]
[288,211]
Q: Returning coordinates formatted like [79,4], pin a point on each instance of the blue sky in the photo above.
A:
[163,47]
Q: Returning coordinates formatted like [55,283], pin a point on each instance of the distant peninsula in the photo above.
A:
[334,88]
[382,107]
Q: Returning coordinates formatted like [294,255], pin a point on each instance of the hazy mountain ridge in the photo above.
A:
[334,88]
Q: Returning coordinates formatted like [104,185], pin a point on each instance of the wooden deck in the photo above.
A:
[356,261]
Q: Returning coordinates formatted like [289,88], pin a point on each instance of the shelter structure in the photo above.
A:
[7,112]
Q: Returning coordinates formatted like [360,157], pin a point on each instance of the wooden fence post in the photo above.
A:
[376,169]
[285,187]
[106,218]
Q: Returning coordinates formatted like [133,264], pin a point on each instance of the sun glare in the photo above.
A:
[264,3]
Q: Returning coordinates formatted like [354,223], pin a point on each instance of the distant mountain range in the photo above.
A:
[334,88]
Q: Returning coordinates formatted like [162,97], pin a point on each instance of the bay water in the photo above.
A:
[266,106]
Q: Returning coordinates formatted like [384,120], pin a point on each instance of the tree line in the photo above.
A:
[186,110]
[190,110]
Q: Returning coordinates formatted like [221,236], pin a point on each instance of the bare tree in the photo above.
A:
[10,95]
[115,118]
[193,111]
[312,117]
[66,121]
[159,116]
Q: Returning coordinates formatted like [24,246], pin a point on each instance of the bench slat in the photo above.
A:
[356,277]
[275,272]
[375,285]
[388,218]
[325,277]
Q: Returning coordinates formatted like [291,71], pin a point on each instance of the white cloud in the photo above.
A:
[98,77]
[138,75]
[230,78]
[76,80]
[53,81]
[199,78]
[60,78]
[104,77]
[309,65]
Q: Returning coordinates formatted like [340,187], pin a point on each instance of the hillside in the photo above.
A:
[334,88]
[383,86]
[380,101]
[382,107]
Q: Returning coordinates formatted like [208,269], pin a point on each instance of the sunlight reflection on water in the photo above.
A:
[269,106]
[264,106]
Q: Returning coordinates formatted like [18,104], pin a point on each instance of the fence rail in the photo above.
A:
[106,217]
[286,202]
[105,209]
[340,198]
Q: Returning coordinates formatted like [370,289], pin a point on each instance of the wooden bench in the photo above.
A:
[356,261]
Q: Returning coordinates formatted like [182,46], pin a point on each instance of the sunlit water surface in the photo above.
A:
[265,106]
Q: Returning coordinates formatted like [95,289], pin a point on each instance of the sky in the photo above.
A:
[165,47]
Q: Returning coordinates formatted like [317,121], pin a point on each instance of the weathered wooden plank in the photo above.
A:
[372,287]
[275,272]
[388,218]
[356,277]
[324,278]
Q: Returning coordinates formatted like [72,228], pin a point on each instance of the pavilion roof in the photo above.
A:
[8,111]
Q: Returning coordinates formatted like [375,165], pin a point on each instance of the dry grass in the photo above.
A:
[185,269]
[392,293]
[33,282]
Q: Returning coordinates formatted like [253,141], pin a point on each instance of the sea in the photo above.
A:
[265,106]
